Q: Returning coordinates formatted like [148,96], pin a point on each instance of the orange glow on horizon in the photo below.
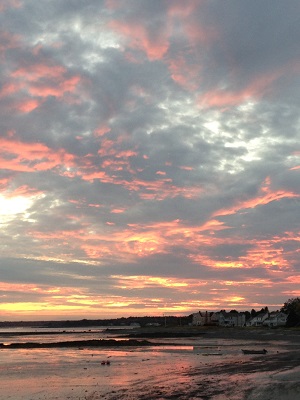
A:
[149,281]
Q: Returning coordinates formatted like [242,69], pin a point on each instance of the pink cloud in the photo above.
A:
[112,4]
[180,9]
[5,4]
[10,88]
[185,15]
[139,37]
[4,182]
[258,87]
[39,81]
[186,168]
[101,130]
[117,210]
[63,87]
[265,196]
[8,41]
[23,191]
[38,71]
[186,75]
[20,156]
[22,287]
[264,254]
[27,105]
[115,161]
[200,34]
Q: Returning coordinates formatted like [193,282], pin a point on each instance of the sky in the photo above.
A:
[149,157]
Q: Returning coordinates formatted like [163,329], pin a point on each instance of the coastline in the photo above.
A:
[275,377]
[257,378]
[152,372]
[267,377]
[251,380]
[79,344]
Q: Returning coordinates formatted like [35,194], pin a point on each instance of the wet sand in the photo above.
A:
[276,377]
[157,374]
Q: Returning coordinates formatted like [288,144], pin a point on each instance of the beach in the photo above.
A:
[205,366]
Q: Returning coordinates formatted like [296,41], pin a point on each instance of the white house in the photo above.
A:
[258,320]
[202,318]
[224,318]
[276,318]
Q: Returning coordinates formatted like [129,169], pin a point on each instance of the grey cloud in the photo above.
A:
[254,38]
[200,161]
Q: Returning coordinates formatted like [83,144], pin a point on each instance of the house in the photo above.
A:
[258,320]
[224,318]
[202,318]
[135,324]
[152,324]
[276,318]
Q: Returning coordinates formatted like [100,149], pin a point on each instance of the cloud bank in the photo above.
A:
[149,157]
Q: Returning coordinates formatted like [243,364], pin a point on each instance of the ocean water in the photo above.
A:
[132,373]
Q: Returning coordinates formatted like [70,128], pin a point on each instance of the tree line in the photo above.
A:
[292,308]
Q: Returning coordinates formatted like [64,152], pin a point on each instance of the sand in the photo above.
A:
[276,377]
[158,373]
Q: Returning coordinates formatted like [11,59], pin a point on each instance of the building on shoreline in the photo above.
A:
[258,320]
[221,318]
[202,318]
[276,318]
[231,319]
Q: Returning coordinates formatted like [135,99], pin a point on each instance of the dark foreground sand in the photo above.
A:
[266,377]
[259,378]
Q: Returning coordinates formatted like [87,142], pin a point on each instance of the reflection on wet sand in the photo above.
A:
[152,372]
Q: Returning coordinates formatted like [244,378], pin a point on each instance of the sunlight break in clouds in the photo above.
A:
[149,155]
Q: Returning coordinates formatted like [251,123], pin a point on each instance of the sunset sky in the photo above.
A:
[150,157]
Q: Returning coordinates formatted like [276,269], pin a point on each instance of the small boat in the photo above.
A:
[211,354]
[263,351]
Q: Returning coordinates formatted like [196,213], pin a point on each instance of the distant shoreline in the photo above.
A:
[79,344]
[140,336]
